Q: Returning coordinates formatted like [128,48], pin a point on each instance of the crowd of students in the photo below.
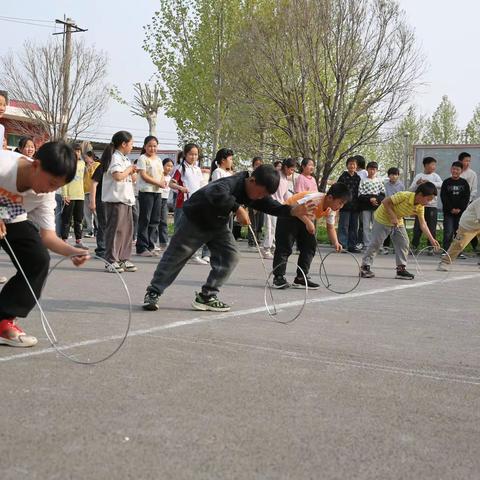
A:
[124,205]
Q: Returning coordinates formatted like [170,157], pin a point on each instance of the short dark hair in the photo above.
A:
[276,163]
[289,163]
[372,165]
[350,160]
[426,189]
[166,160]
[463,155]
[77,146]
[256,159]
[428,160]
[4,94]
[360,160]
[393,171]
[266,176]
[457,164]
[57,159]
[340,190]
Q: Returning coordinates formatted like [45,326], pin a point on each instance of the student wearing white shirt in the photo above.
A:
[163,227]
[27,221]
[118,196]
[431,210]
[471,177]
[222,164]
[150,182]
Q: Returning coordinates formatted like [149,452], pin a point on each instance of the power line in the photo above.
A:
[52,27]
[27,19]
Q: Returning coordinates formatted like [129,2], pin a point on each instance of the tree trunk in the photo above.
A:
[152,124]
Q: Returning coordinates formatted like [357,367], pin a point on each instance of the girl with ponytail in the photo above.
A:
[118,196]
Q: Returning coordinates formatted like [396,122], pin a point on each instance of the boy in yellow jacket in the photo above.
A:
[73,196]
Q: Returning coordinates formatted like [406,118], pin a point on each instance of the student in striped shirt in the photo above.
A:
[388,220]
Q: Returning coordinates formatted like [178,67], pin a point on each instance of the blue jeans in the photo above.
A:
[348,228]
[450,226]
[148,220]
[186,240]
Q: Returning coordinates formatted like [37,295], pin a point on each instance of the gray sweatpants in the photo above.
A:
[186,240]
[379,234]
[118,232]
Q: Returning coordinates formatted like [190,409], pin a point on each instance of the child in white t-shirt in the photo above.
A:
[163,227]
[150,182]
[118,197]
[27,222]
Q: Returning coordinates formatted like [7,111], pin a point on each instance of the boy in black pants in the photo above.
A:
[455,195]
[27,221]
[348,218]
[302,231]
[205,221]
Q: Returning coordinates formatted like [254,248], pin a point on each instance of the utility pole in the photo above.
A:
[69,27]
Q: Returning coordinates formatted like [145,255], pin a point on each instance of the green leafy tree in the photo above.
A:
[472,132]
[442,127]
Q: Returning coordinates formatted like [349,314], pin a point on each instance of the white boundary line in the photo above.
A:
[234,314]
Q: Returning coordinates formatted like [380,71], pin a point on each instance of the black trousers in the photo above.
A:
[16,300]
[75,209]
[287,232]
[101,224]
[431,219]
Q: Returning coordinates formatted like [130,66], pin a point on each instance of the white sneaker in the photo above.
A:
[206,258]
[197,261]
[14,336]
[442,267]
[3,279]
[145,253]
[114,267]
[267,254]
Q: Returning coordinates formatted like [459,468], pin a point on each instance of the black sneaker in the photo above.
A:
[150,302]
[404,274]
[354,250]
[280,283]
[365,272]
[299,282]
[212,304]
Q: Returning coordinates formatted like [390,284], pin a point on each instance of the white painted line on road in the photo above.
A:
[234,314]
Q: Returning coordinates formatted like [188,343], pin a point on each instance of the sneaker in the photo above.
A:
[403,273]
[206,258]
[365,272]
[3,279]
[267,254]
[81,245]
[212,304]
[89,235]
[197,261]
[155,253]
[150,301]
[299,282]
[145,253]
[442,267]
[13,335]
[114,267]
[354,250]
[128,266]
[462,256]
[280,283]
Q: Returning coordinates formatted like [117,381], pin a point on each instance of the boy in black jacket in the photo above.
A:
[348,218]
[205,221]
[455,195]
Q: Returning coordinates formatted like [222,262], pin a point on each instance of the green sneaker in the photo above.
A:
[213,304]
